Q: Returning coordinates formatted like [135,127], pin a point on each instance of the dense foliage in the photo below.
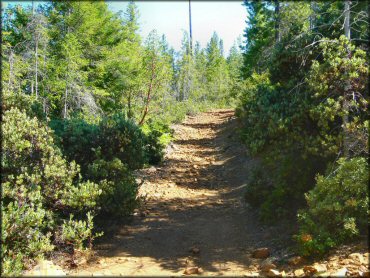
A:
[338,208]
[40,189]
[86,102]
[303,106]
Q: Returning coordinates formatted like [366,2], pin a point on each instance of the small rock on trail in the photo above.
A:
[194,199]
[261,253]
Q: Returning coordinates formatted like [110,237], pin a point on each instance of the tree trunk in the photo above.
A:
[11,70]
[148,94]
[313,15]
[348,86]
[36,67]
[65,102]
[277,21]
[347,14]
[190,31]
[129,112]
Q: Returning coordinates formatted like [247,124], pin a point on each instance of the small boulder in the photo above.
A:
[274,273]
[316,268]
[193,270]
[357,258]
[152,169]
[261,253]
[340,273]
[267,265]
[299,272]
[320,268]
[309,269]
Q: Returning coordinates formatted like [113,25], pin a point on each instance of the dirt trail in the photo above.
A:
[195,199]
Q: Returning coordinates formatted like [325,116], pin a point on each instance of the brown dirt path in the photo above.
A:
[195,199]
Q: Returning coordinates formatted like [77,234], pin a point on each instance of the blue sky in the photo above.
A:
[227,18]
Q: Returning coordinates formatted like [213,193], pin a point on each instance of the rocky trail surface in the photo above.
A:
[194,219]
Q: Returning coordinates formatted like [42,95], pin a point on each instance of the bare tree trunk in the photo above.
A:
[129,105]
[65,102]
[277,21]
[347,14]
[313,15]
[36,67]
[190,29]
[11,70]
[348,86]
[148,94]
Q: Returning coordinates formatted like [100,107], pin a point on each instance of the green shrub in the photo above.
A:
[22,101]
[77,232]
[77,139]
[338,208]
[122,138]
[157,136]
[36,183]
[114,135]
[119,188]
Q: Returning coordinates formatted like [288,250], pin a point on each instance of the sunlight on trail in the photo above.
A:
[193,200]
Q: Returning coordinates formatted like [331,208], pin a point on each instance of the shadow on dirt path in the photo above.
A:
[195,199]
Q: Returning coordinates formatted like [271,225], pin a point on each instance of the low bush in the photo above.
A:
[123,139]
[40,189]
[157,136]
[119,188]
[115,135]
[338,208]
[77,139]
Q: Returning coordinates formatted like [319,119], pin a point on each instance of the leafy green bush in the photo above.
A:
[37,185]
[122,138]
[118,186]
[77,232]
[157,136]
[338,208]
[77,139]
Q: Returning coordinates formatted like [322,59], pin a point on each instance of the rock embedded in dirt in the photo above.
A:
[340,273]
[45,268]
[152,169]
[261,253]
[364,274]
[297,260]
[308,269]
[274,273]
[266,265]
[357,258]
[193,270]
[316,268]
[195,250]
[299,272]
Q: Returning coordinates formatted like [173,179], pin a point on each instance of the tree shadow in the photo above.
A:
[221,225]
